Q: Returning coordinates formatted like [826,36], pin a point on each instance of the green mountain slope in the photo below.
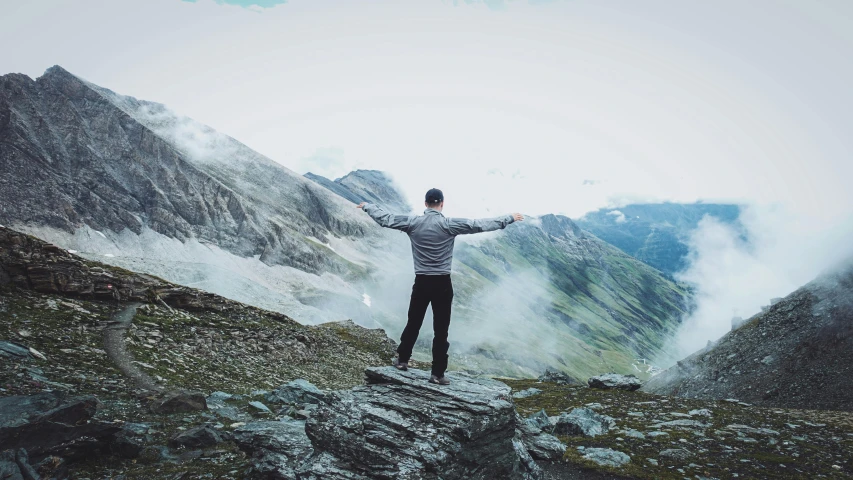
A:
[558,294]
[655,233]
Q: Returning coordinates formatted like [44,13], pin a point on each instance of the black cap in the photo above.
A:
[434,195]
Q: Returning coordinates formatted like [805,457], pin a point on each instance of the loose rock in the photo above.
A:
[583,421]
[606,457]
[298,391]
[179,402]
[614,380]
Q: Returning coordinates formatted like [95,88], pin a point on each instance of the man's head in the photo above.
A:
[434,199]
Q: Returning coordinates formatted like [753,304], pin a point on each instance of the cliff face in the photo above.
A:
[798,353]
[73,154]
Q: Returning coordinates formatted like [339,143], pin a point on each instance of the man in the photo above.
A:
[432,236]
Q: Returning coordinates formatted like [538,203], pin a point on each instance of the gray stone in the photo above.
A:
[560,378]
[526,393]
[678,454]
[540,445]
[630,432]
[702,412]
[178,402]
[745,429]
[615,381]
[11,350]
[130,440]
[260,407]
[401,426]
[583,421]
[606,457]
[682,423]
[540,420]
[298,391]
[198,437]
[52,423]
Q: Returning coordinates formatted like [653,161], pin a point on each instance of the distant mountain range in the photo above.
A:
[371,186]
[130,183]
[655,233]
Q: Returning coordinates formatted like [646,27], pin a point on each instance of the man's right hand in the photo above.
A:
[361,205]
[518,217]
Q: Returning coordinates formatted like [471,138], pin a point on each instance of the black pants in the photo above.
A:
[438,290]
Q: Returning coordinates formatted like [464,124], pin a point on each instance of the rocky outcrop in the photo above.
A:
[614,380]
[797,354]
[52,423]
[399,425]
[277,449]
[33,264]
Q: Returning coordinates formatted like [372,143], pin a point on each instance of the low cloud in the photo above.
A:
[737,271]
[328,162]
[620,217]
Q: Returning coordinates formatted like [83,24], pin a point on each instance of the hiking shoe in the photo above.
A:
[404,366]
[439,381]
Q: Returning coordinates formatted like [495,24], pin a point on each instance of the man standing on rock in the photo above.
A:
[432,236]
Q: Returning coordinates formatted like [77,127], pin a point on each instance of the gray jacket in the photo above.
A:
[432,234]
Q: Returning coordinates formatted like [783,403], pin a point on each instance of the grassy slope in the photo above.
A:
[809,450]
[593,307]
[201,350]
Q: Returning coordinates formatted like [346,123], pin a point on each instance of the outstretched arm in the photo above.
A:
[464,226]
[384,218]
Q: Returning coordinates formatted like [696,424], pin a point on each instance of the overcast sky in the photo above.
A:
[539,106]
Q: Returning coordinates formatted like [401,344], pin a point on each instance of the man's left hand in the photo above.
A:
[361,205]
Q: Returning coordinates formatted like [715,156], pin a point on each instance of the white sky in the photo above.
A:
[503,108]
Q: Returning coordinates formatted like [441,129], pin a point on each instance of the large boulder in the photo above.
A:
[606,457]
[278,449]
[130,440]
[52,423]
[615,381]
[201,436]
[540,445]
[584,422]
[560,378]
[399,425]
[298,391]
[178,402]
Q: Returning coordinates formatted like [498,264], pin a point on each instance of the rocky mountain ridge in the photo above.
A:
[798,353]
[75,154]
[372,186]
